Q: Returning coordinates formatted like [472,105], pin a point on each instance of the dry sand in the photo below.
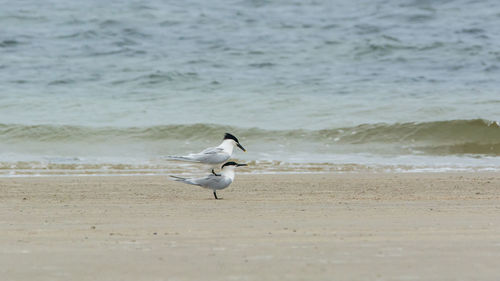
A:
[268,227]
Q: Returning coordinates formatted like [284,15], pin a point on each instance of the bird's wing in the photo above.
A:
[208,155]
[211,150]
[212,155]
[209,181]
[184,180]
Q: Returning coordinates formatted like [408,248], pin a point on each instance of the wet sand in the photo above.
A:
[425,226]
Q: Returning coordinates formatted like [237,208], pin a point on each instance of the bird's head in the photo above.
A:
[234,141]
[232,165]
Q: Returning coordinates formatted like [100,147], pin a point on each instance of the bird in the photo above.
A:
[212,181]
[213,155]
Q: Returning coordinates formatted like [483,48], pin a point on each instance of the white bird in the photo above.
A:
[213,155]
[213,181]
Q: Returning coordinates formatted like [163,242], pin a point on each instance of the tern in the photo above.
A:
[213,181]
[213,155]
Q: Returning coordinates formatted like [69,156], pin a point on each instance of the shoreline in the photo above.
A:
[362,226]
[263,173]
[37,169]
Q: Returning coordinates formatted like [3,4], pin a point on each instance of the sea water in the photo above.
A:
[112,86]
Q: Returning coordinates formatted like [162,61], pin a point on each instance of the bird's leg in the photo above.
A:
[215,194]
[213,172]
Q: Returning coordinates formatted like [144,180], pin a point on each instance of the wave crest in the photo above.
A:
[476,136]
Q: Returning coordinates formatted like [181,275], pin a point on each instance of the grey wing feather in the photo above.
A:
[182,158]
[180,179]
[176,178]
[212,182]
[208,180]
[211,155]
[211,150]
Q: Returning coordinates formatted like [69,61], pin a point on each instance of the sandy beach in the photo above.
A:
[424,226]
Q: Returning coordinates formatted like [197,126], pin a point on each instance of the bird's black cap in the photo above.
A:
[232,164]
[228,136]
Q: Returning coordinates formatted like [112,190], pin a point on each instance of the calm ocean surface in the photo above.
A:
[91,87]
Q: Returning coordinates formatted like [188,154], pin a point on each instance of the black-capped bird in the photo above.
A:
[213,181]
[213,155]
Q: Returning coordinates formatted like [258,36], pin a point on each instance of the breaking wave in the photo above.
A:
[476,136]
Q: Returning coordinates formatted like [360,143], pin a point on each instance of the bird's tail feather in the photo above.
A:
[176,178]
[184,180]
[180,158]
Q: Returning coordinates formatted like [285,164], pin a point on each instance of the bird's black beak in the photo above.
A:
[239,165]
[241,147]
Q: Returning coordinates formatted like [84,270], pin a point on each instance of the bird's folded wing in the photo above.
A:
[209,180]
[212,150]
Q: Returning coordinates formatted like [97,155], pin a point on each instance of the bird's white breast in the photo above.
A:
[227,146]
